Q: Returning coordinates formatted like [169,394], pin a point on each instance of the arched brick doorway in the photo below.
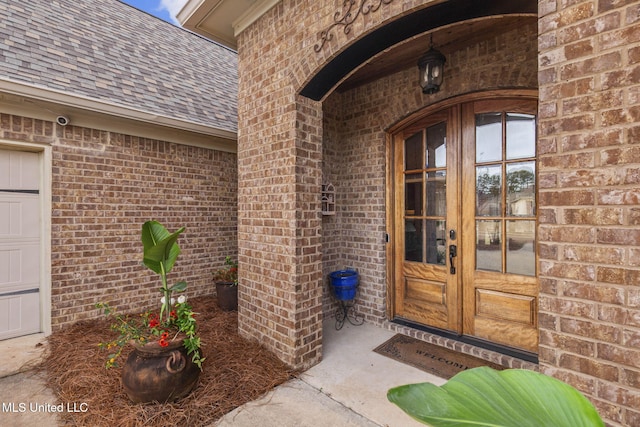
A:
[484,54]
[315,122]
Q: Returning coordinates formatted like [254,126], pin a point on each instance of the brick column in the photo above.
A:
[589,201]
[279,243]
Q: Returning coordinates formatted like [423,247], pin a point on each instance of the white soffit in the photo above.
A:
[222,20]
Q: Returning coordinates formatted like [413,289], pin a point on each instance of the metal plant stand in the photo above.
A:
[346,311]
[344,284]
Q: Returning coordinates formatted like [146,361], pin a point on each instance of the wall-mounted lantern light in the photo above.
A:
[431,65]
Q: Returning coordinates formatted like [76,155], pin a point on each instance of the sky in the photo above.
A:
[163,9]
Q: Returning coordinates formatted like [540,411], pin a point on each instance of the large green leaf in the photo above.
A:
[160,247]
[486,397]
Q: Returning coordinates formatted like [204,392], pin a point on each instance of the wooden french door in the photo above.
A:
[464,213]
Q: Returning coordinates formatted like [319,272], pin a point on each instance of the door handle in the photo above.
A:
[453,252]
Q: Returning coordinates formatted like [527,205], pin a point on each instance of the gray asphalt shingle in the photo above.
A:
[108,51]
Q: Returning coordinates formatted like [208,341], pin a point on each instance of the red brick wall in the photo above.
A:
[279,172]
[354,162]
[104,187]
[589,178]
[278,238]
[332,252]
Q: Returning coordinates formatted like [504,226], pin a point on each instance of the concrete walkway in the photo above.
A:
[348,388]
[25,401]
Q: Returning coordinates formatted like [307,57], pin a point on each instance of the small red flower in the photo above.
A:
[163,339]
[154,321]
[173,314]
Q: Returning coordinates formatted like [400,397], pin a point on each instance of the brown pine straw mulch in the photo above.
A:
[236,371]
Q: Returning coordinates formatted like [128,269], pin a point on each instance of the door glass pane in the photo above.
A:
[521,136]
[413,194]
[413,152]
[436,155]
[521,189]
[489,190]
[489,245]
[435,193]
[521,258]
[488,137]
[413,240]
[435,242]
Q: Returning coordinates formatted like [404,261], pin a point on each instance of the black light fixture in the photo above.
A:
[430,65]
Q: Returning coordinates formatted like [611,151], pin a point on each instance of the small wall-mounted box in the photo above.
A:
[328,199]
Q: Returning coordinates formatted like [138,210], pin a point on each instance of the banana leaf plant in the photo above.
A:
[486,397]
[160,254]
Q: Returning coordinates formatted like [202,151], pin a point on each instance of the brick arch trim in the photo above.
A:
[368,45]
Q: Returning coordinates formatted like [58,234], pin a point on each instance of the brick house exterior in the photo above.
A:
[152,134]
[141,143]
[317,103]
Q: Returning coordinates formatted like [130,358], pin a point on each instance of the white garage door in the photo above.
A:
[19,243]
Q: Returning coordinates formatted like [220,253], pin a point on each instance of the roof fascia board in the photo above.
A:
[41,110]
[195,14]
[252,14]
[86,103]
[190,8]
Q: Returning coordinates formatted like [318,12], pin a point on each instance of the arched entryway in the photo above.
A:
[291,142]
[488,57]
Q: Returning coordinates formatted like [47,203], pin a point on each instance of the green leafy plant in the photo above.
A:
[160,254]
[486,397]
[228,274]
[175,319]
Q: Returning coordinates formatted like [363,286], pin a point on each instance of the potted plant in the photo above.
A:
[226,280]
[166,359]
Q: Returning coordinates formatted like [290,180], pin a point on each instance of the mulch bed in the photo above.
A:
[236,371]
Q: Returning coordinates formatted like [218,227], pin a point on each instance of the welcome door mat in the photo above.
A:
[430,358]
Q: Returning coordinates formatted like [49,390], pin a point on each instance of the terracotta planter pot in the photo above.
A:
[159,374]
[227,294]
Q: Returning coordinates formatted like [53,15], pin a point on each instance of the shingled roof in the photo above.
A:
[110,52]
